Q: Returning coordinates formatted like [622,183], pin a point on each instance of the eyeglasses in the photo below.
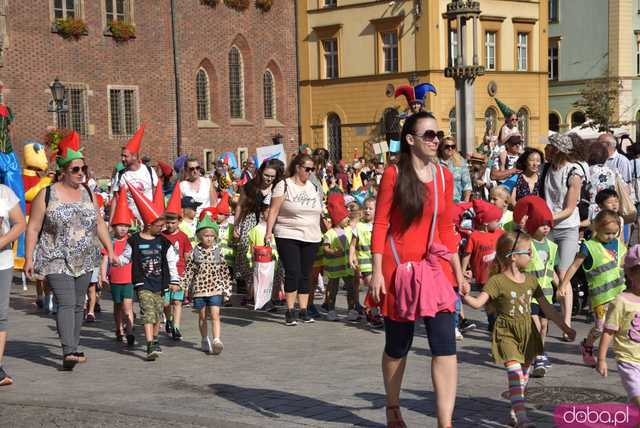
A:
[429,135]
[449,147]
[77,169]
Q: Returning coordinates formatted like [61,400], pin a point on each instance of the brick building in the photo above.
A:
[236,72]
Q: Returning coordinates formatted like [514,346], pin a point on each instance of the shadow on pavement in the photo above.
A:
[34,352]
[272,403]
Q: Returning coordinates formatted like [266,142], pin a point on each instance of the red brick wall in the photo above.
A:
[36,56]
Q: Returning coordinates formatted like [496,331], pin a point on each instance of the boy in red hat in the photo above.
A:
[182,244]
[481,246]
[120,276]
[336,243]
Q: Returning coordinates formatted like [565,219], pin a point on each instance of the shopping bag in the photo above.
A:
[263,273]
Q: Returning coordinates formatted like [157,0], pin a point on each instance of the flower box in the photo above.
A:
[70,28]
[122,31]
[239,5]
[264,5]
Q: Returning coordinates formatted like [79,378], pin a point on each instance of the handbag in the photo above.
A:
[421,288]
[627,207]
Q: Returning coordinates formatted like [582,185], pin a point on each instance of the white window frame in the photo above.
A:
[522,50]
[136,111]
[554,57]
[554,19]
[330,3]
[78,10]
[208,160]
[331,60]
[490,50]
[390,52]
[243,155]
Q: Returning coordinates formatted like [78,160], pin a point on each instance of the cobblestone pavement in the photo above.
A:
[325,374]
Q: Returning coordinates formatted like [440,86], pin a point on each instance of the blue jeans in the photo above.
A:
[456,316]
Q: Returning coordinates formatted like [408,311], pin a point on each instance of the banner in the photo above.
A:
[266,153]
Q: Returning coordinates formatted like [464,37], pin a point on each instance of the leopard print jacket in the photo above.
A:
[206,274]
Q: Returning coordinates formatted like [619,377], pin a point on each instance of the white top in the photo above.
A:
[203,195]
[139,179]
[8,200]
[555,190]
[299,216]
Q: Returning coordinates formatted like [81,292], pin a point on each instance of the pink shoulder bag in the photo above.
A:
[421,287]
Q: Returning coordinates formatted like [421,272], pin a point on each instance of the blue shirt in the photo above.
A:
[461,178]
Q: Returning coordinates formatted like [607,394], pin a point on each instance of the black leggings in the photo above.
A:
[297,258]
[440,334]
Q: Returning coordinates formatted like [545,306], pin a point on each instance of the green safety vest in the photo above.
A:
[226,243]
[605,278]
[338,266]
[543,272]
[363,247]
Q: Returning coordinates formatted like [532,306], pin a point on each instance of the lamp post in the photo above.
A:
[58,104]
[464,68]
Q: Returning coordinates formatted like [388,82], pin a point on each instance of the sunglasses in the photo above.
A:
[429,135]
[77,169]
[308,168]
[194,168]
[449,147]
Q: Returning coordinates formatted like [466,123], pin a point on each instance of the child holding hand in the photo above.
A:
[622,327]
[516,340]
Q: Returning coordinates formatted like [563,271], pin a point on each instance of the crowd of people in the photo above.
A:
[413,235]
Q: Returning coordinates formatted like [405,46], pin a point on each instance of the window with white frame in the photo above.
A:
[203,103]
[209,160]
[453,35]
[63,9]
[390,51]
[243,155]
[490,50]
[554,51]
[330,48]
[638,58]
[117,10]
[236,84]
[269,91]
[123,110]
[553,11]
[523,51]
[77,115]
[330,3]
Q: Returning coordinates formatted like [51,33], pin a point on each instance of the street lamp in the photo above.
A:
[464,68]
[58,104]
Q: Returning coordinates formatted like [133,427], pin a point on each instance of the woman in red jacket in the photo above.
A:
[404,211]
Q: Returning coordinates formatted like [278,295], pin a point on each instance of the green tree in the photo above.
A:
[598,99]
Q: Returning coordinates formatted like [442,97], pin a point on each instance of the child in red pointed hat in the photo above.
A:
[154,268]
[225,233]
[173,299]
[336,243]
[119,277]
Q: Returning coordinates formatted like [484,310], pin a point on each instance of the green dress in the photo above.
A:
[515,336]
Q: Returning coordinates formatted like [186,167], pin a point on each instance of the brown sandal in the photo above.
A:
[397,421]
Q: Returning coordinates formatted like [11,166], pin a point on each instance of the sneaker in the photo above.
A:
[539,369]
[459,336]
[375,321]
[90,318]
[5,379]
[157,346]
[168,327]
[119,337]
[587,354]
[324,308]
[217,346]
[290,318]
[206,345]
[466,325]
[313,311]
[176,334]
[152,354]
[305,317]
[332,316]
[353,315]
[513,420]
[131,339]
[546,361]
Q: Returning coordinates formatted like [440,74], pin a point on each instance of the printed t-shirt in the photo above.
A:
[8,200]
[151,262]
[623,317]
[181,243]
[299,216]
[141,180]
[482,248]
[510,298]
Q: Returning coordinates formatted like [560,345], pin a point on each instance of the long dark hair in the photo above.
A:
[409,192]
[298,160]
[252,198]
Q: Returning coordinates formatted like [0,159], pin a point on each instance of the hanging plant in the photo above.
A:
[264,5]
[122,31]
[210,3]
[238,5]
[71,28]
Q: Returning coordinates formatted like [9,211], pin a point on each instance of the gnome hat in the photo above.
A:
[223,205]
[175,202]
[166,169]
[505,109]
[212,211]
[336,207]
[158,197]
[149,211]
[122,214]
[486,212]
[207,222]
[69,149]
[422,90]
[408,92]
[537,212]
[133,146]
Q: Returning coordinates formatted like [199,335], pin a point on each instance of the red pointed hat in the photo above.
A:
[133,146]
[336,207]
[223,205]
[158,197]
[122,214]
[175,202]
[486,212]
[537,212]
[70,142]
[212,211]
[148,210]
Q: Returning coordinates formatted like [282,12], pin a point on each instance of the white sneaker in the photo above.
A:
[353,315]
[332,316]
[217,346]
[206,345]
[459,335]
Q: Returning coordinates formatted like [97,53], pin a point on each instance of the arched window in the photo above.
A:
[491,120]
[236,84]
[554,122]
[452,122]
[523,124]
[577,118]
[269,90]
[202,95]
[334,137]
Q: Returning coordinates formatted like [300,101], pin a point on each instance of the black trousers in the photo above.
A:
[297,259]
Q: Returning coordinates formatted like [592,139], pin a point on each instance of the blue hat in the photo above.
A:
[422,89]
